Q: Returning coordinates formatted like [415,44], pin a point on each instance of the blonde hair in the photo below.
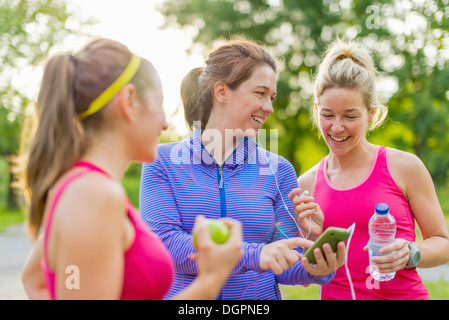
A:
[350,65]
[69,84]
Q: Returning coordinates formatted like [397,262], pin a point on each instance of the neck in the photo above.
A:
[219,141]
[106,153]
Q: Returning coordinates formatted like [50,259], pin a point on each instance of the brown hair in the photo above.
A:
[69,84]
[232,63]
[350,65]
[189,90]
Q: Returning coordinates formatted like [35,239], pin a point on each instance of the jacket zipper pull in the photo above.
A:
[220,172]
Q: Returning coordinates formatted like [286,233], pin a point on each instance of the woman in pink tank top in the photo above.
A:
[356,175]
[98,110]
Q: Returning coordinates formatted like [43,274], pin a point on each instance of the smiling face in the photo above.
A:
[250,104]
[343,119]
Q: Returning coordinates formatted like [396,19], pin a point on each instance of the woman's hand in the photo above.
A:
[217,260]
[308,214]
[395,258]
[280,255]
[328,263]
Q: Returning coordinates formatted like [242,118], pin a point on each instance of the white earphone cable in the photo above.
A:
[348,274]
[283,201]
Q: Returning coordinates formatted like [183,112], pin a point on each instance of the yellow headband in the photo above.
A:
[114,88]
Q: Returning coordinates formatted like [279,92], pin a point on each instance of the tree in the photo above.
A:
[410,42]
[28,31]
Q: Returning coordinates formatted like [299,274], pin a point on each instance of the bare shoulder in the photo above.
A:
[404,162]
[92,199]
[407,169]
[89,217]
[306,181]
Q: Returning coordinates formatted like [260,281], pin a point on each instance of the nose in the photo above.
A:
[165,125]
[337,125]
[268,107]
[163,119]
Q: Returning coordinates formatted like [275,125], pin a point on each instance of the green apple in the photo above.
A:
[219,232]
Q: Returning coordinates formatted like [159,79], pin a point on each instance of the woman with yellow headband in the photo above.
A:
[97,110]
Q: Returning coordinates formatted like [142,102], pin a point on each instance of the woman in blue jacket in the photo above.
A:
[220,171]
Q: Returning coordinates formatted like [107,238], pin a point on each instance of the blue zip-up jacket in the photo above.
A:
[252,186]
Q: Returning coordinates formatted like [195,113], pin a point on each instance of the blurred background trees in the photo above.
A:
[29,29]
[408,38]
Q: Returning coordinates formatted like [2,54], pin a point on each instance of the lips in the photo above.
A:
[339,139]
[259,120]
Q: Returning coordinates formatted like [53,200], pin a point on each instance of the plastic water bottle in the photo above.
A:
[382,231]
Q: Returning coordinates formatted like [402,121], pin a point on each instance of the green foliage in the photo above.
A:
[4,180]
[443,197]
[409,41]
[10,217]
[131,183]
[28,31]
[21,36]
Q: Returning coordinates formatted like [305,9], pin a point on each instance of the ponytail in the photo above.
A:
[57,140]
[189,96]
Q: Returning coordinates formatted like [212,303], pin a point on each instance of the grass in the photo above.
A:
[437,291]
[311,292]
[10,217]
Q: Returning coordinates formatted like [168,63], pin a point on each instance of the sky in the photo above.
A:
[136,24]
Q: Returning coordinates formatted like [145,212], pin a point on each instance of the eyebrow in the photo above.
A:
[347,110]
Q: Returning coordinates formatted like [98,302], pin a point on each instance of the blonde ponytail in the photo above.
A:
[350,65]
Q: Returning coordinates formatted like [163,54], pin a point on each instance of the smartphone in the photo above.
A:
[331,235]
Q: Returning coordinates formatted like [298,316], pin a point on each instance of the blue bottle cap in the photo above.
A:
[382,208]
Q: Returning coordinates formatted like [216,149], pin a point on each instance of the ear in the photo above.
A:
[128,101]
[220,92]
[371,114]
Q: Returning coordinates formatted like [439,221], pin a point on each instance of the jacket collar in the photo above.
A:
[245,150]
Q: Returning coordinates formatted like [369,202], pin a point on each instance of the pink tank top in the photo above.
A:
[148,267]
[343,207]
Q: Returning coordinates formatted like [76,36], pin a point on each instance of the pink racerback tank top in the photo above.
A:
[148,267]
[343,207]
